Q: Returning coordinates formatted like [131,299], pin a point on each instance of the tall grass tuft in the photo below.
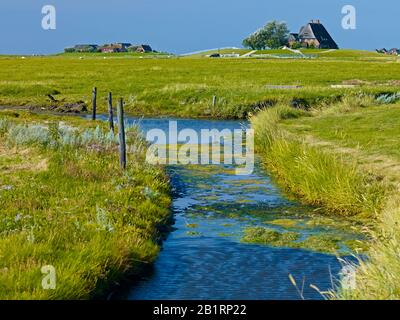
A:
[378,277]
[346,104]
[317,177]
[4,126]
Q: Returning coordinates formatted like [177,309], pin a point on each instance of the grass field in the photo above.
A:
[344,156]
[185,86]
[65,203]
[373,130]
[320,53]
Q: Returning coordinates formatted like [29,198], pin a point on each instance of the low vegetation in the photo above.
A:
[317,242]
[317,177]
[185,86]
[65,203]
[269,236]
[343,156]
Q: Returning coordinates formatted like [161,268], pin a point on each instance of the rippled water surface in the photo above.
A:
[205,257]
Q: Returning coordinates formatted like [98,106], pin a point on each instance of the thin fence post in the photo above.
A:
[110,112]
[121,129]
[214,101]
[94,103]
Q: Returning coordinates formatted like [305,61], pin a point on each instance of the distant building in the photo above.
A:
[115,47]
[293,38]
[383,50]
[143,48]
[393,52]
[83,48]
[313,35]
[110,48]
[123,45]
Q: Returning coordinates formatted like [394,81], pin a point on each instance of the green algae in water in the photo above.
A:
[285,223]
[261,235]
[227,235]
[227,225]
[333,224]
[208,198]
[193,233]
[320,243]
[245,201]
[323,243]
[248,182]
[192,225]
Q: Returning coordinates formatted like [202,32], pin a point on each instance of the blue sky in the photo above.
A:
[181,26]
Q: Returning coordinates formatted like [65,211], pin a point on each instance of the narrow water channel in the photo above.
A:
[205,256]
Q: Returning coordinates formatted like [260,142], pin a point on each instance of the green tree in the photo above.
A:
[273,35]
[296,45]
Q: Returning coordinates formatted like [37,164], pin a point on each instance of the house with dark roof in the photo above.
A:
[115,47]
[111,48]
[394,51]
[293,38]
[142,48]
[315,35]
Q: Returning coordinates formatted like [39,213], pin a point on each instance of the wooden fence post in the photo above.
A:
[110,112]
[94,103]
[121,129]
[214,101]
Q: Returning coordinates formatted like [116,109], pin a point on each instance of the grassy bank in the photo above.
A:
[65,203]
[344,157]
[185,86]
[316,177]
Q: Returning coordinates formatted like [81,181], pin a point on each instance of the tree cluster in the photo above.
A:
[273,35]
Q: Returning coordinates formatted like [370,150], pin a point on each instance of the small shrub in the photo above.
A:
[388,98]
[4,126]
[346,104]
[28,135]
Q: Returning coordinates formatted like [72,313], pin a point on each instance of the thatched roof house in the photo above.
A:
[111,48]
[314,35]
[115,47]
